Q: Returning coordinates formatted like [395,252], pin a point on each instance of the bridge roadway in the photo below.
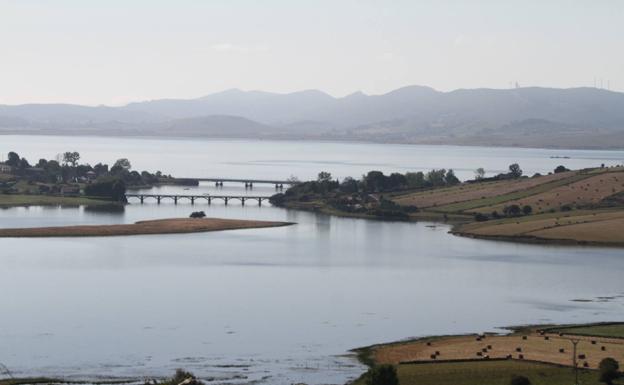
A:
[250,182]
[192,198]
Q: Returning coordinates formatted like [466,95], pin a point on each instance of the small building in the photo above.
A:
[91,175]
[5,168]
[70,191]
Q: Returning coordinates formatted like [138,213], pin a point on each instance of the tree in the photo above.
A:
[198,214]
[349,185]
[323,177]
[560,169]
[512,210]
[608,368]
[527,210]
[112,188]
[450,178]
[123,164]
[71,158]
[13,159]
[382,375]
[520,380]
[515,171]
[415,179]
[479,173]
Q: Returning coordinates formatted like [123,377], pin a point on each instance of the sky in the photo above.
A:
[117,51]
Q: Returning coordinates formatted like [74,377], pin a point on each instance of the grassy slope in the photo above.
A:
[606,330]
[8,200]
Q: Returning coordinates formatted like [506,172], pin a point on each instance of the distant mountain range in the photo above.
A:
[530,117]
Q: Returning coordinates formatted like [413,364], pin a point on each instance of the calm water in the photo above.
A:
[279,305]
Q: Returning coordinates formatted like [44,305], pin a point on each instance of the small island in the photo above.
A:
[158,226]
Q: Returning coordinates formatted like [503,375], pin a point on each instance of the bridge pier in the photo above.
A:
[158,199]
[175,200]
[243,201]
[226,200]
[259,201]
[209,200]
[141,198]
[192,200]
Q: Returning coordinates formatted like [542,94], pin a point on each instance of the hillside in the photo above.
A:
[530,117]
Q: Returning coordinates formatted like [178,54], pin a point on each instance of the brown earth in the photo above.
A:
[160,226]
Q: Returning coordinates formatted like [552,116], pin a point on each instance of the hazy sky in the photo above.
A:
[115,51]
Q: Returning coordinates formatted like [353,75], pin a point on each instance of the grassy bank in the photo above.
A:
[17,200]
[161,226]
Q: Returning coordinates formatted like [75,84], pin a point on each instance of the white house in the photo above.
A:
[5,168]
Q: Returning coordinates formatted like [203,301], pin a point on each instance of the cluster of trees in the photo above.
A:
[67,169]
[378,182]
[100,180]
[510,211]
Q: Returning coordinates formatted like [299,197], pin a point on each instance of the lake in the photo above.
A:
[278,305]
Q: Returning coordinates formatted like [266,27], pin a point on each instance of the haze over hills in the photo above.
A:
[532,117]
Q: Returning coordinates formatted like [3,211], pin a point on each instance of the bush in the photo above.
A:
[520,380]
[382,375]
[560,169]
[512,210]
[527,210]
[479,217]
[608,368]
[113,188]
[198,214]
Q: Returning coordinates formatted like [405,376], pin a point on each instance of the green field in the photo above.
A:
[489,373]
[606,330]
[8,200]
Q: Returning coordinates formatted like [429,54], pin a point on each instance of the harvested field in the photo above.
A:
[599,227]
[488,373]
[531,346]
[589,191]
[602,330]
[160,226]
[476,191]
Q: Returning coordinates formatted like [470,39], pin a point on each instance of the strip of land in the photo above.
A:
[24,200]
[544,354]
[159,226]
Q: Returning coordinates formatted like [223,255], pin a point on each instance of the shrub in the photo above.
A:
[527,210]
[479,217]
[382,375]
[520,380]
[113,188]
[608,368]
[197,214]
[512,210]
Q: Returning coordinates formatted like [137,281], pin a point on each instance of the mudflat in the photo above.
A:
[159,226]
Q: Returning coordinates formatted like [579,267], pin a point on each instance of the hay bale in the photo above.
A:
[581,356]
[518,349]
[437,352]
[508,356]
[479,354]
[593,342]
[561,350]
[489,346]
[521,356]
[603,348]
[546,338]
[433,356]
[585,364]
[428,343]
[484,350]
[524,337]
